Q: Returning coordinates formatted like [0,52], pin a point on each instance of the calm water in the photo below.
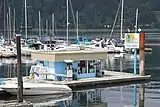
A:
[120,96]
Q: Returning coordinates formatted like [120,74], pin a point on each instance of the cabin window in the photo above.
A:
[83,67]
[69,70]
[91,66]
[87,67]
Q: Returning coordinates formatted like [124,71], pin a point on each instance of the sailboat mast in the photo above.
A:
[9,22]
[39,15]
[46,27]
[77,25]
[67,22]
[7,27]
[52,28]
[14,22]
[53,24]
[4,10]
[25,5]
[136,21]
[122,19]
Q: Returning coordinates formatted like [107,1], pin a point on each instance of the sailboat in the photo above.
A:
[118,45]
[7,50]
[112,45]
[35,45]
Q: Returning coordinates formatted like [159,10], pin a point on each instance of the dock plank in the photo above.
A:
[110,77]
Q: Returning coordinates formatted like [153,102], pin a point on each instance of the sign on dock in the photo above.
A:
[132,40]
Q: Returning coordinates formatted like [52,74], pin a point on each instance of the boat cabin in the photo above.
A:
[68,64]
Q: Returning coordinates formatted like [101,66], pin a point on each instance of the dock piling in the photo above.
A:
[19,73]
[141,68]
[141,54]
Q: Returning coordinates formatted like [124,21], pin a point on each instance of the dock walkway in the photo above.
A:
[109,78]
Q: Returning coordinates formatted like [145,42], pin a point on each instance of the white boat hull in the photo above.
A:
[7,54]
[35,91]
[36,88]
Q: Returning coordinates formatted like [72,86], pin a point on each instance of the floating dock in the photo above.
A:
[112,78]
[109,78]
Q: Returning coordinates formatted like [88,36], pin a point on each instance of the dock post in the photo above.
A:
[135,72]
[141,95]
[141,68]
[19,72]
[141,54]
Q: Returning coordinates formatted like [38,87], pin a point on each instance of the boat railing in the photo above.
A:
[42,72]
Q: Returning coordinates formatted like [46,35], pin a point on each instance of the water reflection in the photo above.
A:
[50,100]
[141,95]
[88,98]
[120,62]
[100,97]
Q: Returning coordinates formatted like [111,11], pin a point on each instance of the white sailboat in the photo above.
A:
[116,47]
[112,44]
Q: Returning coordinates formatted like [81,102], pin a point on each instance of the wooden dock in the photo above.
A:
[111,78]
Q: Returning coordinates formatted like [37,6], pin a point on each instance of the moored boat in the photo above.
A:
[34,87]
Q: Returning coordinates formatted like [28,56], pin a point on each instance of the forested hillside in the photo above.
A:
[92,13]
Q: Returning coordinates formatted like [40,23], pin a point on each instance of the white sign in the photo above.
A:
[132,40]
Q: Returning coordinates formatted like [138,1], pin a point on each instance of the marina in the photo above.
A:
[64,64]
[67,68]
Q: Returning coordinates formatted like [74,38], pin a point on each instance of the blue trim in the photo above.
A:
[135,96]
[60,69]
[86,75]
[135,61]
[135,72]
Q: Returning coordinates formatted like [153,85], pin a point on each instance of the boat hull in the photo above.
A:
[36,91]
[35,88]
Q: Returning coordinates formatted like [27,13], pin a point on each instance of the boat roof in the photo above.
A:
[68,55]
